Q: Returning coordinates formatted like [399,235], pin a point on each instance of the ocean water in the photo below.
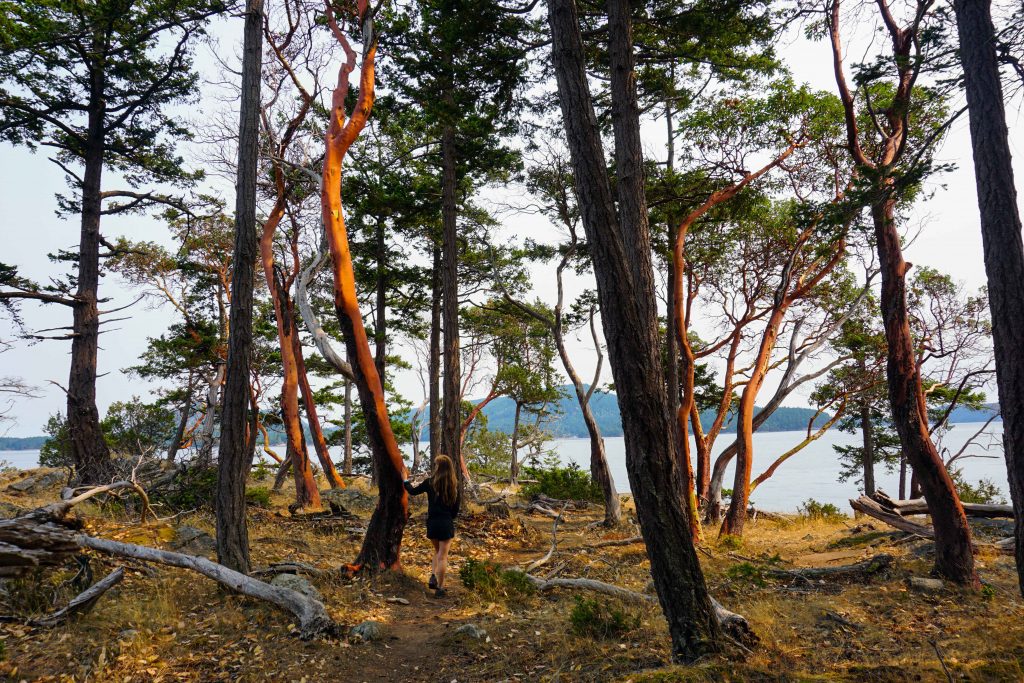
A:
[811,473]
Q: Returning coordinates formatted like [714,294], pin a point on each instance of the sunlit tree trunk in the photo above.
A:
[315,429]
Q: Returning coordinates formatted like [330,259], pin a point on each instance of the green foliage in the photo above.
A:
[258,496]
[493,582]
[564,483]
[748,572]
[56,451]
[730,542]
[486,451]
[194,490]
[985,491]
[133,427]
[601,619]
[812,509]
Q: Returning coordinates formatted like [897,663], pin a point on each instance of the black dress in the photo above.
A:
[440,517]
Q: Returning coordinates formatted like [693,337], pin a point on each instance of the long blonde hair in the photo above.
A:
[444,480]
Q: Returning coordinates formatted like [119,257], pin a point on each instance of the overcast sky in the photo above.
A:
[950,241]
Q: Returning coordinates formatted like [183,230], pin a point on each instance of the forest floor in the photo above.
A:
[166,624]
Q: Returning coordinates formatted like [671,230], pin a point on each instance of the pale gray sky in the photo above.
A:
[950,242]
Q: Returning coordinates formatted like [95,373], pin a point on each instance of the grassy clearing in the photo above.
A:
[164,624]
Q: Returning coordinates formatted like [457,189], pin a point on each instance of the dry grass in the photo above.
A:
[164,624]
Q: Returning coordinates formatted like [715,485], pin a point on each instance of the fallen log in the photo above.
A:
[616,541]
[311,614]
[871,508]
[870,566]
[554,545]
[734,625]
[83,602]
[920,507]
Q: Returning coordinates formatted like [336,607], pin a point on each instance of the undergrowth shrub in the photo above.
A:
[493,582]
[601,619]
[812,509]
[194,489]
[258,496]
[564,483]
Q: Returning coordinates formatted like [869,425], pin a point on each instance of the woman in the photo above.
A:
[442,489]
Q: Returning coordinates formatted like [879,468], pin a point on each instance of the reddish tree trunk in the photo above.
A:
[319,442]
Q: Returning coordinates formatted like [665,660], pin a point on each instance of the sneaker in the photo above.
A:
[432,584]
[440,593]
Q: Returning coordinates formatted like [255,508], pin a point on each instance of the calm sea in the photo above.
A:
[812,473]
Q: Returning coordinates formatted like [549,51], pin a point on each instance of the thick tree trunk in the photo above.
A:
[434,361]
[235,455]
[383,541]
[451,408]
[1001,237]
[953,557]
[89,449]
[323,453]
[903,475]
[867,430]
[625,285]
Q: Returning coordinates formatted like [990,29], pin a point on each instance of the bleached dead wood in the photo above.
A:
[734,625]
[554,545]
[867,567]
[83,602]
[872,509]
[616,541]
[311,614]
[920,507]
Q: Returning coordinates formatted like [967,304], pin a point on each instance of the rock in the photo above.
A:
[39,481]
[297,584]
[471,631]
[368,631]
[349,499]
[193,541]
[924,585]
[501,510]
[398,601]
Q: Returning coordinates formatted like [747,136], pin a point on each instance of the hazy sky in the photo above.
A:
[950,241]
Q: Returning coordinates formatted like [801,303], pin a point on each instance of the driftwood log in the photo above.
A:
[45,537]
[872,508]
[83,602]
[920,507]
[870,566]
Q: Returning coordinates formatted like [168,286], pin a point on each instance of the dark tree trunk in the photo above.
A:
[953,556]
[235,455]
[323,453]
[347,468]
[915,486]
[434,361]
[513,471]
[89,450]
[867,430]
[1001,236]
[380,333]
[625,285]
[451,409]
[903,476]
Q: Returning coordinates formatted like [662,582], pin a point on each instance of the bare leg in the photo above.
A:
[442,561]
[433,561]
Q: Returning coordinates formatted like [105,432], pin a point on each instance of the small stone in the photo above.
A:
[925,585]
[471,631]
[367,631]
[297,584]
[398,601]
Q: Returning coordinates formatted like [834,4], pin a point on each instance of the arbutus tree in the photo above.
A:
[382,543]
[64,86]
[620,249]
[890,157]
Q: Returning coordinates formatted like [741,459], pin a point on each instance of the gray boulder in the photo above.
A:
[349,498]
[193,541]
[925,585]
[297,584]
[40,481]
[367,631]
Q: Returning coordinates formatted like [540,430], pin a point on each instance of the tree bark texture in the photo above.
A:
[323,453]
[382,544]
[235,454]
[1001,237]
[451,408]
[625,284]
[434,360]
[89,449]
[953,556]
